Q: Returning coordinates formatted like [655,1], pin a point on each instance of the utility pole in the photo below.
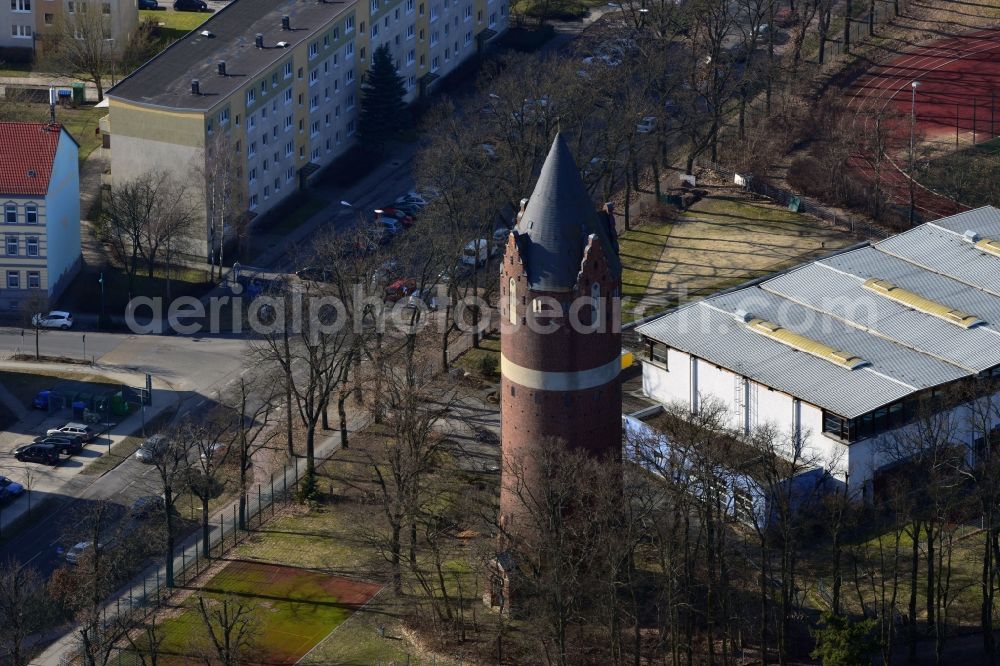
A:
[913,130]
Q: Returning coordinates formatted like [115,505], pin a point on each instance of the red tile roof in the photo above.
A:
[27,151]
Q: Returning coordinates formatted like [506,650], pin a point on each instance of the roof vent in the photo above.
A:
[195,87]
[989,245]
[286,22]
[743,316]
[283,45]
[970,236]
[222,68]
[32,173]
[207,33]
[259,40]
[921,304]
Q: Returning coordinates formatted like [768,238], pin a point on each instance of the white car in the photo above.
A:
[412,197]
[56,319]
[646,125]
[74,554]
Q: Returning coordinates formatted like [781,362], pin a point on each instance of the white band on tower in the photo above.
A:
[542,380]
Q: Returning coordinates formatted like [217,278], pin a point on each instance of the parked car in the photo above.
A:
[392,225]
[406,218]
[9,489]
[314,274]
[56,319]
[149,4]
[408,207]
[69,445]
[151,450]
[35,452]
[399,289]
[146,506]
[84,432]
[413,198]
[190,6]
[426,296]
[646,125]
[476,253]
[74,554]
[41,400]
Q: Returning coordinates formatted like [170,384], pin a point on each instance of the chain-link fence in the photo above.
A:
[801,204]
[227,531]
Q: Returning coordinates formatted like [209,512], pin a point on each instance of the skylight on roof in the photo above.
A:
[922,304]
[802,343]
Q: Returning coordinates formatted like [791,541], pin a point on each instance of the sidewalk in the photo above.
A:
[67,479]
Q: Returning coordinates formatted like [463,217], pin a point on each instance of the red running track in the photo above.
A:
[959,86]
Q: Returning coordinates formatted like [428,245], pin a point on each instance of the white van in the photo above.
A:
[476,253]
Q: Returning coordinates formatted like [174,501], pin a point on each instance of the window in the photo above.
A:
[314,128]
[350,128]
[468,38]
[24,31]
[326,44]
[253,201]
[336,111]
[223,116]
[350,101]
[349,25]
[656,352]
[288,70]
[34,280]
[835,425]
[290,174]
[410,57]
[237,120]
[493,19]
[434,14]
[512,301]
[326,120]
[468,12]
[267,192]
[300,99]
[337,137]
[31,214]
[313,50]
[362,53]
[12,245]
[349,76]
[253,175]
[300,73]
[362,29]
[106,8]
[412,82]
[326,93]
[277,184]
[409,6]
[251,122]
[447,54]
[302,125]
[265,165]
[10,213]
[274,80]
[314,103]
[288,122]
[329,145]
[349,51]
[421,9]
[251,96]
[302,152]
[289,148]
[434,38]
[435,64]
[288,96]
[336,33]
[421,59]
[374,6]
[71,6]
[31,246]
[409,31]
[314,77]
[479,16]
[13,280]
[252,149]
[374,30]
[49,19]
[20,5]
[315,153]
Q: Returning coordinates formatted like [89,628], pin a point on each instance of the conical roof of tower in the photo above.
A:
[559,218]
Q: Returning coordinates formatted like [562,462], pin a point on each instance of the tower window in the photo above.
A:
[512,301]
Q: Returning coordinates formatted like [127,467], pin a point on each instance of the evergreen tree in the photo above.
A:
[841,642]
[383,113]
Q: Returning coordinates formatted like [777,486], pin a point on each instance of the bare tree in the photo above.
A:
[23,608]
[208,440]
[33,308]
[172,459]
[80,44]
[219,178]
[230,624]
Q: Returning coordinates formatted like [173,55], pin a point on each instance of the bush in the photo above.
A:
[807,175]
[489,366]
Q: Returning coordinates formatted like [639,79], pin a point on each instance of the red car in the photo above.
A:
[400,215]
[400,289]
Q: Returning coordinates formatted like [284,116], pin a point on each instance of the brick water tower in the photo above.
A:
[560,334]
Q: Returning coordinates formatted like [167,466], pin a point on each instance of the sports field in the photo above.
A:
[958,88]
[293,610]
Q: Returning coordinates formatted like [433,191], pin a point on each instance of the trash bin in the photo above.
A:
[79,93]
[78,408]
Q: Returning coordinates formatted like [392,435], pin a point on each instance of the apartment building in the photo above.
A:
[846,356]
[40,204]
[278,84]
[24,24]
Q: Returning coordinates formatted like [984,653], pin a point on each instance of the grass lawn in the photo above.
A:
[84,292]
[640,251]
[81,123]
[969,175]
[472,360]
[172,25]
[15,69]
[293,610]
[722,241]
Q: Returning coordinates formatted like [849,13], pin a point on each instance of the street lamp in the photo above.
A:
[913,128]
[100,321]
[346,204]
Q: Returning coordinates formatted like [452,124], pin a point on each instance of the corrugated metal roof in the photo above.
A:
[907,349]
